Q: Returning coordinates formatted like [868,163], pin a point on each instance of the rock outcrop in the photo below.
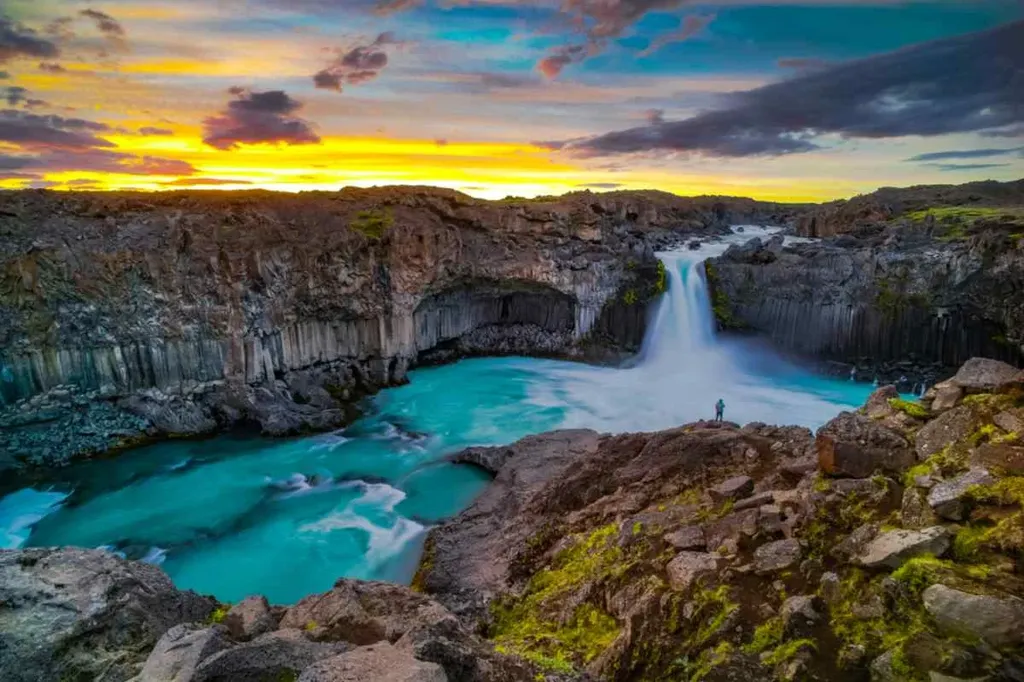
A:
[904,301]
[713,552]
[184,312]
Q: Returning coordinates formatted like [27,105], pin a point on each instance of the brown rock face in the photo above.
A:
[984,375]
[855,446]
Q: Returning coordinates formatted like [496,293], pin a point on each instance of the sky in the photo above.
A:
[803,100]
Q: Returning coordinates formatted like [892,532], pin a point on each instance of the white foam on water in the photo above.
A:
[385,541]
[21,510]
[155,556]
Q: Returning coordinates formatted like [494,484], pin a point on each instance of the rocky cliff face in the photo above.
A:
[198,310]
[902,301]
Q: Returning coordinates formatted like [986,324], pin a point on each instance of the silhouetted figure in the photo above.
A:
[719,410]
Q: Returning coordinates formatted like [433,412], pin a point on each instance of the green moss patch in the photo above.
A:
[911,408]
[372,223]
[543,627]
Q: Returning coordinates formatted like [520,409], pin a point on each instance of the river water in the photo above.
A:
[234,516]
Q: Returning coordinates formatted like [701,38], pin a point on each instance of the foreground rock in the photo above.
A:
[712,552]
[75,614]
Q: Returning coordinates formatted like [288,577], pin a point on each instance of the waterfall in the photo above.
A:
[684,325]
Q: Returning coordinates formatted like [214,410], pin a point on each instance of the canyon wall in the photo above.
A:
[193,310]
[900,303]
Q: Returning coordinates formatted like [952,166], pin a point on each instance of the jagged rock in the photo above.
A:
[853,445]
[915,512]
[883,670]
[465,658]
[984,375]
[947,395]
[947,498]
[896,546]
[1008,458]
[829,587]
[179,652]
[77,614]
[800,614]
[949,427]
[732,489]
[939,677]
[769,519]
[687,567]
[687,537]
[853,544]
[378,662]
[877,405]
[777,556]
[998,621]
[249,618]
[270,656]
[363,612]
[490,460]
[732,528]
[1011,421]
[755,500]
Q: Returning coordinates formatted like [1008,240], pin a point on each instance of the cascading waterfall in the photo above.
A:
[231,515]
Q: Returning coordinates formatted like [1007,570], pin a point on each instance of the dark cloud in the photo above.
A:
[155,132]
[92,160]
[952,167]
[17,40]
[1010,131]
[258,118]
[4,75]
[106,24]
[193,182]
[32,131]
[560,58]
[601,185]
[357,65]
[655,116]
[505,80]
[913,91]
[964,154]
[441,142]
[802,63]
[691,26]
[52,67]
[14,94]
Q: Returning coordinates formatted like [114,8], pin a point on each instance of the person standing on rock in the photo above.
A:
[719,410]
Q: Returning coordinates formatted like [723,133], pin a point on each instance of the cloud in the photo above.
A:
[560,58]
[600,185]
[14,94]
[964,154]
[52,67]
[155,132]
[1010,131]
[32,131]
[17,40]
[357,65]
[691,26]
[655,116]
[912,91]
[193,182]
[4,75]
[951,167]
[258,118]
[802,63]
[105,23]
[92,160]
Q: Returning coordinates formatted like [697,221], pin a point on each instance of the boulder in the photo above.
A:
[250,618]
[947,498]
[179,652]
[776,556]
[272,656]
[997,620]
[854,446]
[877,405]
[1011,421]
[732,489]
[1008,458]
[984,375]
[687,537]
[829,587]
[379,662]
[893,548]
[687,567]
[947,395]
[800,614]
[949,427]
[85,614]
[756,500]
[363,612]
[732,528]
[915,513]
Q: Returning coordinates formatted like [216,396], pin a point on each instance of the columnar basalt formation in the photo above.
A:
[197,310]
